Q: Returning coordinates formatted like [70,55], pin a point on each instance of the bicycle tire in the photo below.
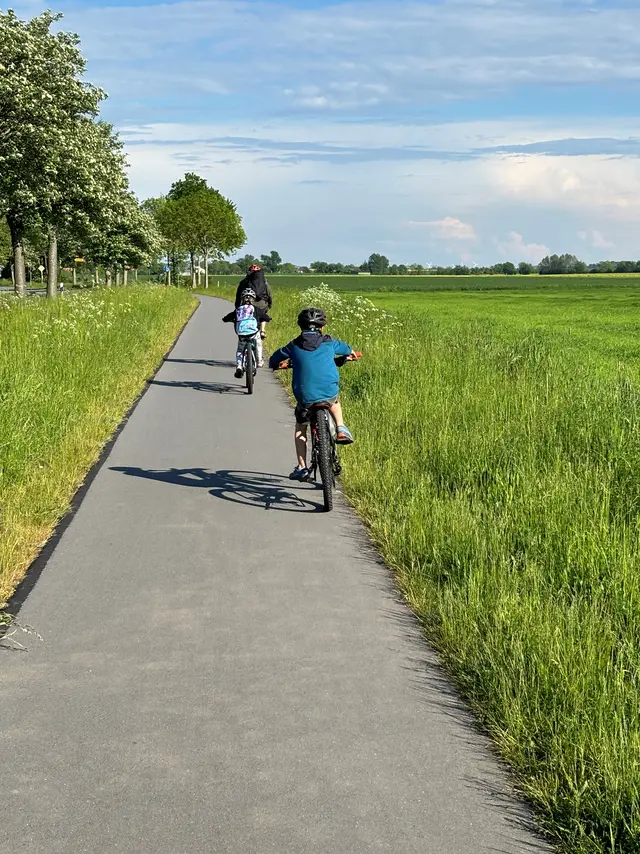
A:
[325,459]
[249,367]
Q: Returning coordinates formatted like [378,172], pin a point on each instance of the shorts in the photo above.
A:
[302,410]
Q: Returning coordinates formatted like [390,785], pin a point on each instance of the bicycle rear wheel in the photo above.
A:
[325,458]
[249,367]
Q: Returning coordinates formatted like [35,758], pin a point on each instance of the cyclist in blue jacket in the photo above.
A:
[315,379]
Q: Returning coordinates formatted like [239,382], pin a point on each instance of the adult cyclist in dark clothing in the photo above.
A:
[256,281]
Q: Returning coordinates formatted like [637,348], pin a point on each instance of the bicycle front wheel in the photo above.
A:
[249,367]
[325,458]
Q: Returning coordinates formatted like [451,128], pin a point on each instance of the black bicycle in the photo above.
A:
[249,359]
[324,451]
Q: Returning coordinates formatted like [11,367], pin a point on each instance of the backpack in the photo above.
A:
[246,321]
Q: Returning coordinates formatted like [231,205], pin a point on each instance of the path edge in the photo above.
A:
[38,564]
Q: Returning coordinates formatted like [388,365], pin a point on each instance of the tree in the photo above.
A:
[5,245]
[525,269]
[377,264]
[271,263]
[128,238]
[187,186]
[554,264]
[204,221]
[42,98]
[508,268]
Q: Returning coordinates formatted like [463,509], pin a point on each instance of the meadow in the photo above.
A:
[69,370]
[496,465]
[365,284]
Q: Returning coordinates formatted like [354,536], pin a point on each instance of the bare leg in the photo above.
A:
[259,350]
[336,411]
[301,444]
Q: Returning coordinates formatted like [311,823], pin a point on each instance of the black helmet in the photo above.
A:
[312,318]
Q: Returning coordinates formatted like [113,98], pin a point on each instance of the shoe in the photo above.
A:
[344,436]
[238,373]
[263,335]
[301,474]
[261,363]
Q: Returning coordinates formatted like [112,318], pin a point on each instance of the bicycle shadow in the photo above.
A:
[252,489]
[211,363]
[215,388]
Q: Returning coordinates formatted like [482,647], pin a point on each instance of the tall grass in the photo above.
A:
[499,474]
[68,372]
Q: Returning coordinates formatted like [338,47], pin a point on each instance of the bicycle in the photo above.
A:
[324,453]
[249,359]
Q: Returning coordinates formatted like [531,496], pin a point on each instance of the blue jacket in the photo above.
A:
[315,374]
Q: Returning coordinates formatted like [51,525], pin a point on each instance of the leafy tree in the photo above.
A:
[246,261]
[377,264]
[288,268]
[204,221]
[5,245]
[42,98]
[525,269]
[562,264]
[187,186]
[271,263]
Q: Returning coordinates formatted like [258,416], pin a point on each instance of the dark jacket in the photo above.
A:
[315,375]
[257,282]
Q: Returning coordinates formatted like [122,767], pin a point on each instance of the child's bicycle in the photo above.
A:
[249,359]
[324,453]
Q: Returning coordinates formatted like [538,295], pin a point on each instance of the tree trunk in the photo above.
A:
[125,276]
[117,276]
[52,265]
[75,274]
[206,270]
[107,276]
[135,274]
[193,269]
[168,276]
[97,276]
[17,236]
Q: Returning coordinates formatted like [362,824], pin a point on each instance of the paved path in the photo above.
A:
[225,669]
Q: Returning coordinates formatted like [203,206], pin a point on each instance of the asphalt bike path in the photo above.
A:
[226,668]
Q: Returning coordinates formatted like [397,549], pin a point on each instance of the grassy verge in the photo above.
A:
[68,373]
[497,470]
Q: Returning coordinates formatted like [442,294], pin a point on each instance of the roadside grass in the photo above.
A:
[69,370]
[497,468]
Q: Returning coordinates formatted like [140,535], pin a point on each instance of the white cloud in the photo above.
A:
[595,238]
[405,52]
[515,249]
[449,228]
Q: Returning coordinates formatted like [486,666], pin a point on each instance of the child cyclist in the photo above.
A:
[247,317]
[315,379]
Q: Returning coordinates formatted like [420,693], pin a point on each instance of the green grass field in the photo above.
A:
[69,370]
[365,284]
[497,466]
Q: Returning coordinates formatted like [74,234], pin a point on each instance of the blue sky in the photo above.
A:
[432,131]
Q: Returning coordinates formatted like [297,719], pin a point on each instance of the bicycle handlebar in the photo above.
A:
[340,360]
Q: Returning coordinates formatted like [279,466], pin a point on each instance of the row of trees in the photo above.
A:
[63,187]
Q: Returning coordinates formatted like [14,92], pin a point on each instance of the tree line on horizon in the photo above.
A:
[380,265]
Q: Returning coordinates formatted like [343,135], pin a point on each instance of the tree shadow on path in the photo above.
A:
[211,363]
[215,388]
[253,489]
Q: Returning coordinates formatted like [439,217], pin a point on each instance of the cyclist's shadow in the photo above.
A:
[251,488]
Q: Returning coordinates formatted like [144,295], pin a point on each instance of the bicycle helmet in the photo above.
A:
[254,268]
[312,319]
[247,295]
